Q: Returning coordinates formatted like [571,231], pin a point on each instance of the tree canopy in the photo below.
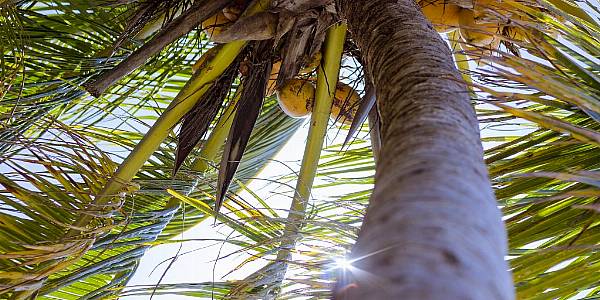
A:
[537,97]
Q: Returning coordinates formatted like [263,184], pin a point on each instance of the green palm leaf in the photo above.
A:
[539,104]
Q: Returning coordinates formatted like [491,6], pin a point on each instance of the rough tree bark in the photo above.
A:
[432,229]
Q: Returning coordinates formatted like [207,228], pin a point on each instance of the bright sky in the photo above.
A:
[199,265]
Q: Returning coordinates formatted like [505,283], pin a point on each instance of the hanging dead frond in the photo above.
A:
[197,121]
[365,108]
[249,107]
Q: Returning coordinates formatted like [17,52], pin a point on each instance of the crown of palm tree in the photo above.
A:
[84,177]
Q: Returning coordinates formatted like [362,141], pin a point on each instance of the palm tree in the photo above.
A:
[420,235]
[74,225]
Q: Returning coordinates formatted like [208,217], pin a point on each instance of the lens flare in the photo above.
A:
[342,263]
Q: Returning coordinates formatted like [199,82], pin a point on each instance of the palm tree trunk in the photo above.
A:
[432,229]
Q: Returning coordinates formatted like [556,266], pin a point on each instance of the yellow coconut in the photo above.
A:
[215,24]
[296,97]
[476,33]
[314,62]
[232,13]
[442,14]
[345,104]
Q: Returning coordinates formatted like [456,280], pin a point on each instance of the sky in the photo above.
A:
[199,266]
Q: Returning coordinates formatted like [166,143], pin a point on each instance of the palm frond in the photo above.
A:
[537,98]
[47,198]
[545,179]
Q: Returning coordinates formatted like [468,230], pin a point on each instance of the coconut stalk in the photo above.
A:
[327,77]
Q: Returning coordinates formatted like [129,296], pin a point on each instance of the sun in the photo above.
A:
[342,263]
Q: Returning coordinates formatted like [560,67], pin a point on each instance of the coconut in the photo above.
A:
[345,104]
[296,97]
[475,33]
[442,14]
[234,11]
[313,63]
[216,24]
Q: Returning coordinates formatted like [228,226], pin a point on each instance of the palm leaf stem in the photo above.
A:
[327,76]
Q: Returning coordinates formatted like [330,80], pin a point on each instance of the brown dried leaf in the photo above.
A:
[246,114]
[295,56]
[285,24]
[196,122]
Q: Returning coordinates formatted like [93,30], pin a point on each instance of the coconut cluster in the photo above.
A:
[295,96]
[476,27]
